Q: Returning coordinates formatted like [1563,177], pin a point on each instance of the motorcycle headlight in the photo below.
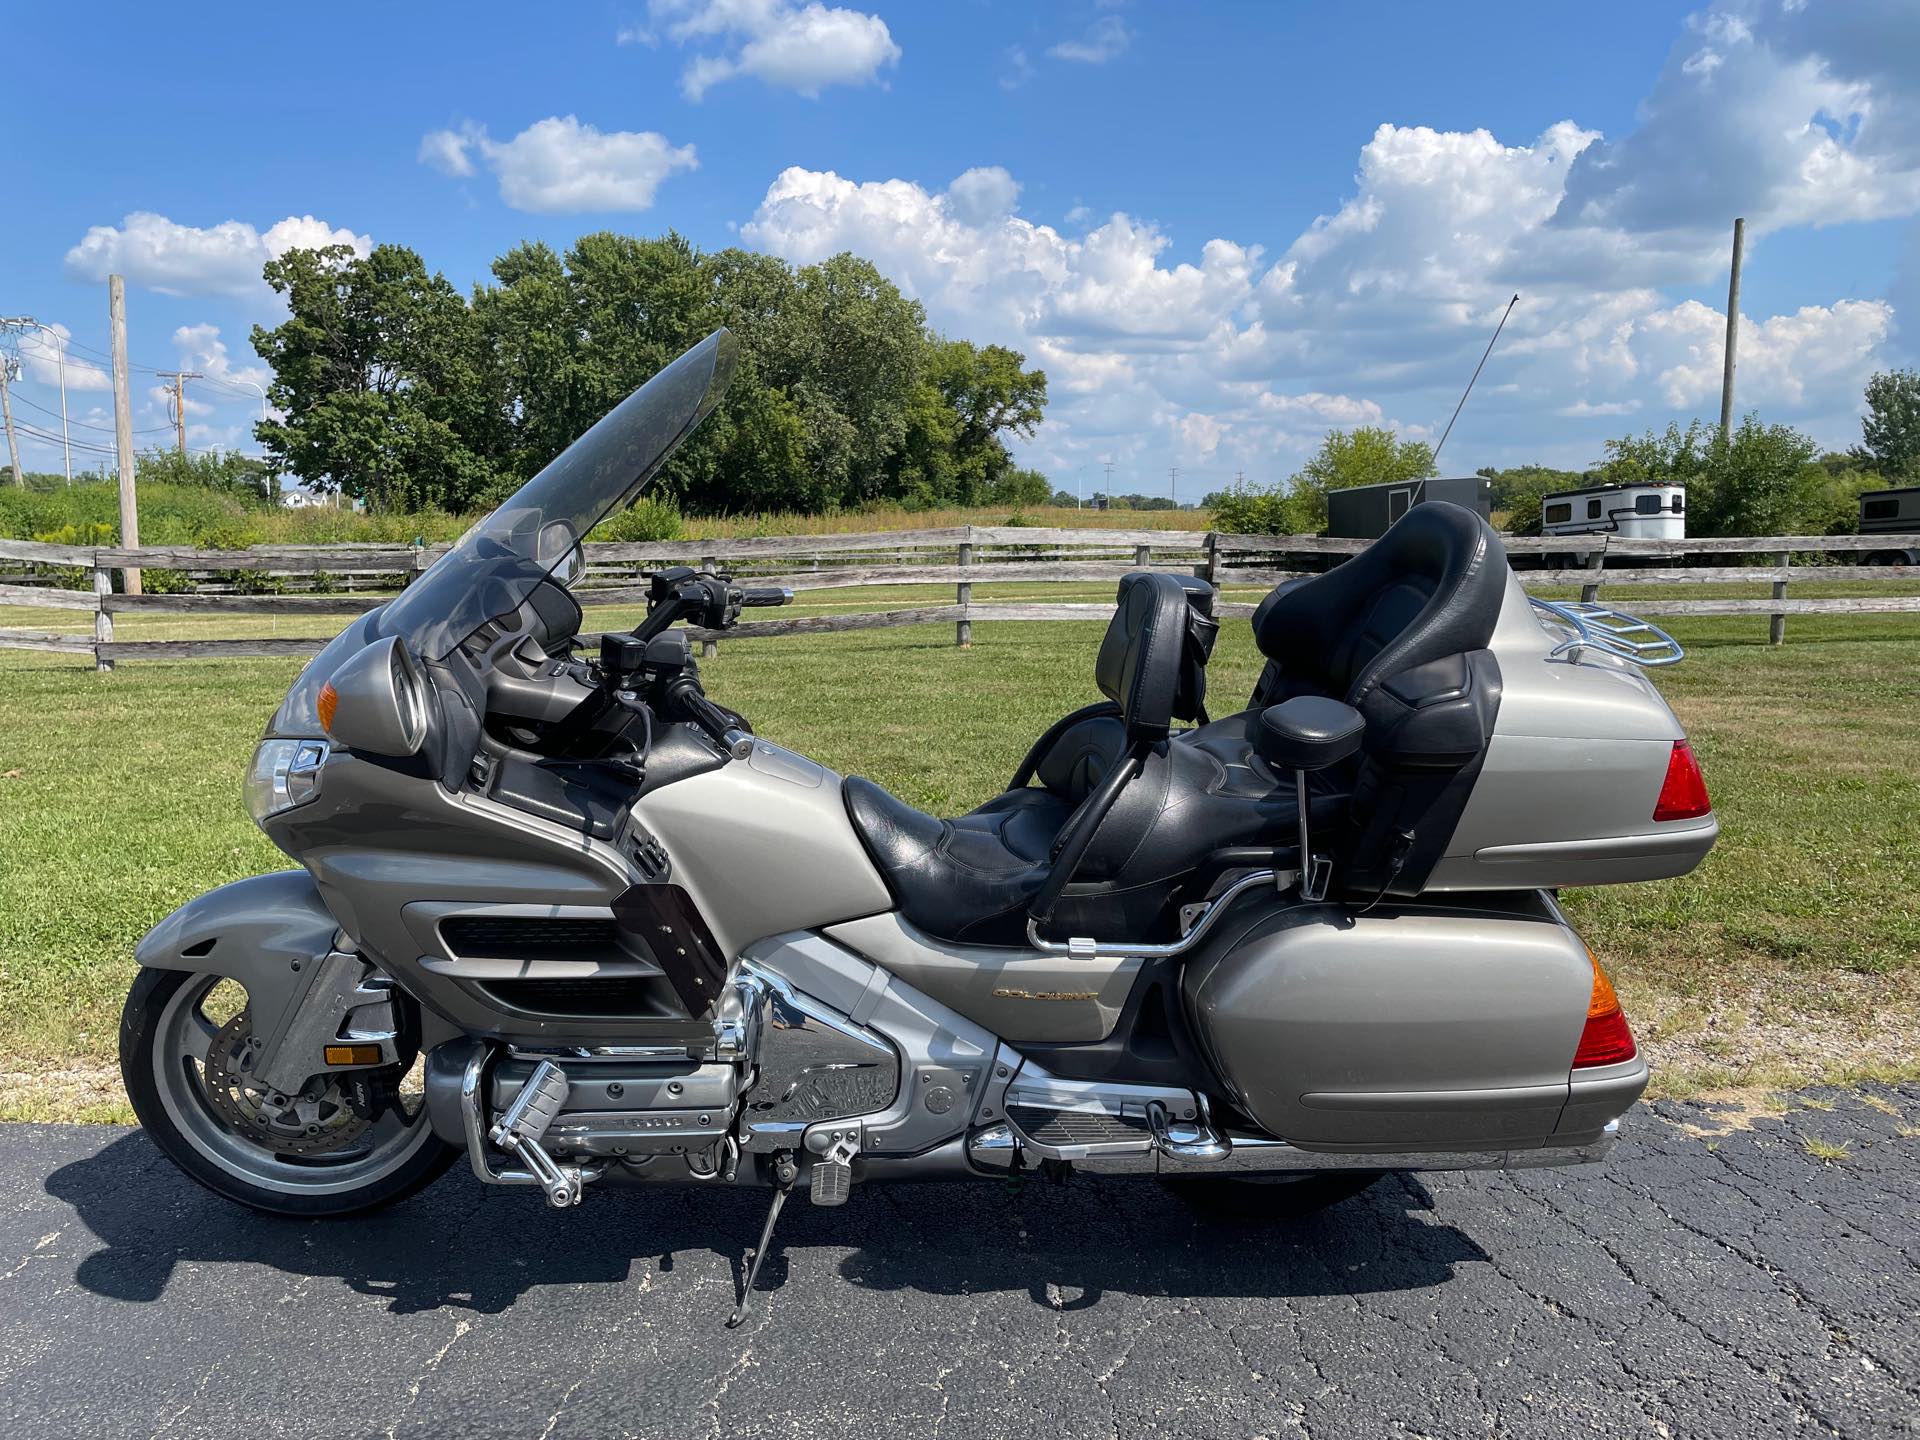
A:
[284,773]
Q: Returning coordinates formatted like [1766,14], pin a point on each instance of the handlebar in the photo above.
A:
[765,596]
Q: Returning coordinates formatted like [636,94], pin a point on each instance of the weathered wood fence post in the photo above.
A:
[1596,562]
[1777,623]
[963,595]
[102,617]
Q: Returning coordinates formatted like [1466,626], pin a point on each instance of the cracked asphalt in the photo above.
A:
[1714,1278]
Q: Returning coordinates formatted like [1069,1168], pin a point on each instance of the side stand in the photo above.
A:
[785,1172]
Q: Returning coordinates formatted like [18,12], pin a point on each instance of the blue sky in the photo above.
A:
[1222,229]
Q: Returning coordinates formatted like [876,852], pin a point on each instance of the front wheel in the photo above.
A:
[1268,1197]
[309,1155]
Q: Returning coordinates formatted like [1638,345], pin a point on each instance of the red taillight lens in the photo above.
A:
[1683,794]
[1606,1040]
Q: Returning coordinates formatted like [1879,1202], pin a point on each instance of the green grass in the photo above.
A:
[1792,955]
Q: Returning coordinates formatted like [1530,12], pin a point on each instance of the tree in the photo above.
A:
[398,389]
[1890,430]
[1517,493]
[1762,480]
[1369,455]
[226,471]
[385,391]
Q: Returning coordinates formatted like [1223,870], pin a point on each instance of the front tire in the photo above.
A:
[164,1036]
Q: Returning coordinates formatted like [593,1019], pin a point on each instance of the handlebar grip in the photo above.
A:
[765,596]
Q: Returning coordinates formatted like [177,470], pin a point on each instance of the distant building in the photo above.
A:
[1365,512]
[300,498]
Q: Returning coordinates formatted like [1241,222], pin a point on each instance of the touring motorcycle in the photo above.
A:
[559,911]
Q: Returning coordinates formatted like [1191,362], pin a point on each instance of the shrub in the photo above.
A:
[646,519]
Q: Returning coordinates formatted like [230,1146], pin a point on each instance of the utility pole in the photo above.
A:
[123,423]
[1109,468]
[1733,330]
[1173,480]
[180,378]
[27,322]
[10,370]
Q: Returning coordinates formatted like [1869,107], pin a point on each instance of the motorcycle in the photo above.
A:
[560,912]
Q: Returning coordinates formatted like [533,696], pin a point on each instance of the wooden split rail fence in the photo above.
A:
[960,556]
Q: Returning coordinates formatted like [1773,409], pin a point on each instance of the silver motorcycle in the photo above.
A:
[562,913]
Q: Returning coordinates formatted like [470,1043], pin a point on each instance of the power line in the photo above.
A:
[83,425]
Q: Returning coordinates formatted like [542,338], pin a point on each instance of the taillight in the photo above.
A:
[1683,794]
[1606,1040]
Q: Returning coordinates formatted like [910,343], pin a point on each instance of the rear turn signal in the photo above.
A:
[1683,795]
[1606,1040]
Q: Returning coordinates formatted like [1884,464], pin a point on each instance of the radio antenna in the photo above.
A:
[1476,375]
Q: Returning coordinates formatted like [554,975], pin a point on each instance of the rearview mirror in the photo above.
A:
[377,701]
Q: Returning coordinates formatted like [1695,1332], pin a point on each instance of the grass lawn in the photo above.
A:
[1792,955]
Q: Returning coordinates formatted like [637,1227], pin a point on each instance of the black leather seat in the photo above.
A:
[972,878]
[1399,632]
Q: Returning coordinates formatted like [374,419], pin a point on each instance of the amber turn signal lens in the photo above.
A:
[328,702]
[1606,1038]
[352,1054]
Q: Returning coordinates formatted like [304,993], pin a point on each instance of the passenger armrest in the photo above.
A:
[1308,732]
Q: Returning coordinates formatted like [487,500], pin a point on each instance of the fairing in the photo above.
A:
[496,564]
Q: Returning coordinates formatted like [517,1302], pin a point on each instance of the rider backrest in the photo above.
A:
[1431,587]
[1153,660]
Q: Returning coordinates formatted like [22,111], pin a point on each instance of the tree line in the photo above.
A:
[1762,479]
[395,388]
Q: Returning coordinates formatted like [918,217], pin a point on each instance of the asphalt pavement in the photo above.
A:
[1715,1278]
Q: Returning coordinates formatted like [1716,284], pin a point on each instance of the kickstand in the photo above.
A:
[785,1172]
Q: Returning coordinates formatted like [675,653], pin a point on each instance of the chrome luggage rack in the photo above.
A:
[1595,627]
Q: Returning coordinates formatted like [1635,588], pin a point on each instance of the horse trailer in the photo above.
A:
[1892,512]
[1633,512]
[1364,512]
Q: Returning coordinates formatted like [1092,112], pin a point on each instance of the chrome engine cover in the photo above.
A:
[813,1065]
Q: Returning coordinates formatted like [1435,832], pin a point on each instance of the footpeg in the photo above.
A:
[832,1179]
[523,1123]
[1197,1140]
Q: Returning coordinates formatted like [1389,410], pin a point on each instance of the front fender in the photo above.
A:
[266,933]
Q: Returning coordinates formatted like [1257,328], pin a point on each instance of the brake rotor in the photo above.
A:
[316,1121]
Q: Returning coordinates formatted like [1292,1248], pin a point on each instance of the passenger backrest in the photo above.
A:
[1430,587]
[1153,660]
[1400,632]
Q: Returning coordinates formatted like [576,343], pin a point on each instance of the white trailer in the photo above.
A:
[1633,512]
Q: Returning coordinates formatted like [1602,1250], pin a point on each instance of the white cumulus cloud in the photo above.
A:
[45,357]
[803,48]
[561,166]
[175,259]
[1106,39]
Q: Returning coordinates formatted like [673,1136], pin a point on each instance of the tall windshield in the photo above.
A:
[494,566]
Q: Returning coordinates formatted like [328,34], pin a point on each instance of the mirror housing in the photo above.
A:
[377,701]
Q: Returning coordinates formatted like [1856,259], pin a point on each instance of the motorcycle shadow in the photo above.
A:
[1068,1246]
[461,1245]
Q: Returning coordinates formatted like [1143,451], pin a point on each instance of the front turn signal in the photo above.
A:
[328,702]
[1606,1038]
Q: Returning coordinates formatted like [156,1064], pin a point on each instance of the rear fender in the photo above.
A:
[270,933]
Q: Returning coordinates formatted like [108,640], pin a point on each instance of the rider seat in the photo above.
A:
[1399,632]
